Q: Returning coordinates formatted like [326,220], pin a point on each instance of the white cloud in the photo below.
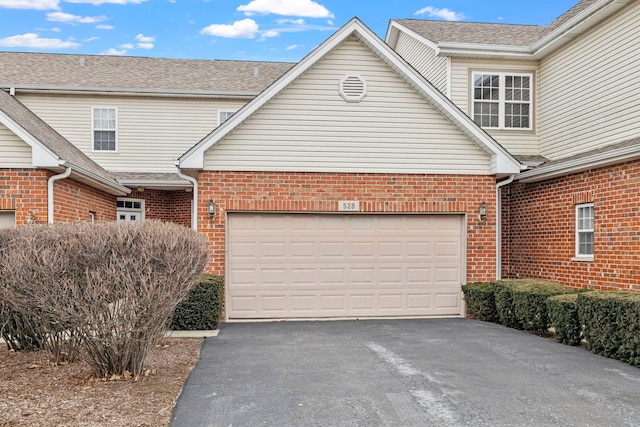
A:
[245,29]
[105,27]
[145,42]
[299,21]
[306,8]
[99,2]
[90,39]
[269,34]
[446,14]
[30,4]
[113,51]
[31,40]
[292,47]
[126,46]
[68,18]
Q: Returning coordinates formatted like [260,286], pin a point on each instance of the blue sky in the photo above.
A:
[266,30]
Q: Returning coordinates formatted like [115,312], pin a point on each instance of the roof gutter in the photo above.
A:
[484,50]
[54,178]
[596,160]
[499,224]
[105,90]
[194,205]
[107,185]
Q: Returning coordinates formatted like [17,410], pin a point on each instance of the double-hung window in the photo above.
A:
[503,100]
[584,231]
[104,129]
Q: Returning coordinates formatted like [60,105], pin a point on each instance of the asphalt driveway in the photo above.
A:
[423,372]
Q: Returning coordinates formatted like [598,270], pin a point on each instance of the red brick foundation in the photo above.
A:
[379,193]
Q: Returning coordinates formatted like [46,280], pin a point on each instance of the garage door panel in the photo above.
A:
[308,265]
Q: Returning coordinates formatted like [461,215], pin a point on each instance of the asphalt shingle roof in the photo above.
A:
[487,33]
[473,32]
[97,71]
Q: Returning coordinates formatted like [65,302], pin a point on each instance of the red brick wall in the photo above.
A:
[542,228]
[25,190]
[320,192]
[73,201]
[169,206]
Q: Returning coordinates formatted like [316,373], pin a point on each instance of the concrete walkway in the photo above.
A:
[430,372]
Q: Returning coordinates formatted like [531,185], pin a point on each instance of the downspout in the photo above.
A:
[50,182]
[194,207]
[499,224]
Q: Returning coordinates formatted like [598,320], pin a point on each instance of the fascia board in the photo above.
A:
[115,91]
[41,156]
[194,158]
[97,181]
[551,40]
[484,50]
[581,164]
[503,163]
[401,28]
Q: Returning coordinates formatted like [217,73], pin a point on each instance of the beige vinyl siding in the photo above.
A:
[424,60]
[517,142]
[15,152]
[589,91]
[151,131]
[310,127]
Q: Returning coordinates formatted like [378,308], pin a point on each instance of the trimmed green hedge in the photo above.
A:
[563,314]
[202,308]
[517,303]
[481,301]
[611,322]
[530,303]
[505,304]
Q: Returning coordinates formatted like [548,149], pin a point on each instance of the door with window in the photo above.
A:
[130,210]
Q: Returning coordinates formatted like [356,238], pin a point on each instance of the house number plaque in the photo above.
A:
[348,206]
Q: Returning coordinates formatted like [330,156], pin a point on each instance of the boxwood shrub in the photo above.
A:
[505,304]
[563,314]
[481,301]
[611,322]
[202,308]
[530,303]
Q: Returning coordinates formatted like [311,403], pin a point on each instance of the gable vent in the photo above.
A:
[353,88]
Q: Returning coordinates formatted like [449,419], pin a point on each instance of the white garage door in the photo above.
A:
[319,265]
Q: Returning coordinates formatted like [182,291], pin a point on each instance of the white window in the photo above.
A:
[584,231]
[503,100]
[104,129]
[7,219]
[130,210]
[223,116]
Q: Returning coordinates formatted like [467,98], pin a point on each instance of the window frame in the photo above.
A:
[130,210]
[221,112]
[94,129]
[579,230]
[502,101]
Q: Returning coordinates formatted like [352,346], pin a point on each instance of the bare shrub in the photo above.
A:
[105,291]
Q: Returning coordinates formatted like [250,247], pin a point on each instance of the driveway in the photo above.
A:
[422,372]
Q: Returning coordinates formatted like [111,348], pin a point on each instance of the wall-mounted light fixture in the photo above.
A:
[482,212]
[211,208]
[140,189]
